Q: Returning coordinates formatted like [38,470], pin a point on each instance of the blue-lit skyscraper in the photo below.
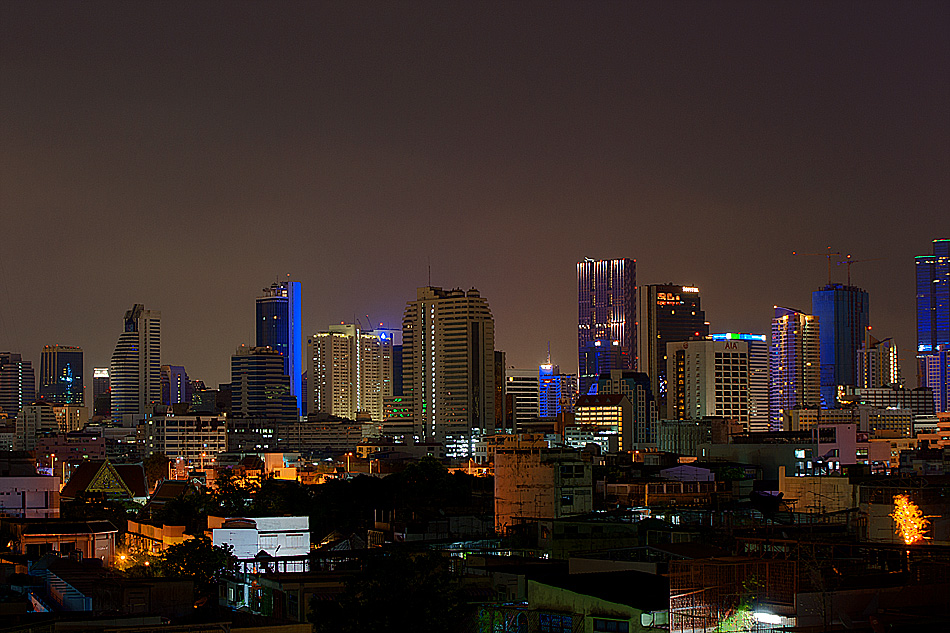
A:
[606,310]
[933,298]
[61,375]
[558,391]
[279,327]
[598,357]
[842,313]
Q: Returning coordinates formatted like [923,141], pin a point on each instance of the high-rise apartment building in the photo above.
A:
[758,377]
[61,375]
[350,371]
[176,388]
[524,387]
[606,310]
[933,298]
[259,386]
[135,374]
[793,364]
[666,313]
[878,364]
[709,378]
[17,383]
[279,327]
[448,339]
[843,313]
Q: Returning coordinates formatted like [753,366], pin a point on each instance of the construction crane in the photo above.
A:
[848,261]
[827,254]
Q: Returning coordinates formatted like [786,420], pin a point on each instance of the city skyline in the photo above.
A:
[705,143]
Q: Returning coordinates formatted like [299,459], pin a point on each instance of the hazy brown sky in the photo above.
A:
[184,155]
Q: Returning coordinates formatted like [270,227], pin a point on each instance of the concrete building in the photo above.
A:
[666,313]
[919,400]
[135,375]
[349,371]
[259,386]
[195,439]
[709,378]
[606,311]
[758,376]
[533,483]
[35,537]
[17,384]
[794,378]
[30,497]
[524,386]
[61,375]
[448,341]
[636,386]
[285,541]
[32,420]
[936,368]
[878,364]
[606,415]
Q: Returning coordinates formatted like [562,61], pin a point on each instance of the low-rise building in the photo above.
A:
[35,537]
[30,497]
[279,544]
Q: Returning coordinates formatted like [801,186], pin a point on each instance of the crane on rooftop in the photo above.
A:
[848,261]
[829,253]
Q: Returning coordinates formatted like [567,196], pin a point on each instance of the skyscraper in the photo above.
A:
[17,383]
[793,364]
[135,374]
[598,357]
[259,386]
[558,391]
[878,364]
[349,371]
[448,339]
[936,367]
[843,314]
[606,310]
[758,376]
[933,298]
[524,386]
[176,388]
[61,375]
[666,313]
[101,391]
[279,327]
[709,378]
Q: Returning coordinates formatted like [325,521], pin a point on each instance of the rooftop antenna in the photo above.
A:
[549,352]
[429,264]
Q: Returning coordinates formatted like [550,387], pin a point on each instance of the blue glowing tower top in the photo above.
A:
[279,327]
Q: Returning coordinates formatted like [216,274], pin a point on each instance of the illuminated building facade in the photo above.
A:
[607,414]
[176,388]
[606,311]
[758,376]
[793,364]
[933,298]
[598,357]
[524,387]
[878,364]
[710,378]
[936,368]
[259,386]
[635,385]
[448,339]
[350,371]
[279,327]
[61,375]
[135,374]
[666,313]
[17,383]
[843,313]
[101,391]
[558,391]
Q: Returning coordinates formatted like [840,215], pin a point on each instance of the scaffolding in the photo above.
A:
[706,593]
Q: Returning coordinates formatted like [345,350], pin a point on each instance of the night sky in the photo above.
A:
[185,155]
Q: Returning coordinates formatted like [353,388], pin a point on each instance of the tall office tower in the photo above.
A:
[17,383]
[709,378]
[558,391]
[448,339]
[259,386]
[606,310]
[524,386]
[667,313]
[101,391]
[636,386]
[176,388]
[933,302]
[878,364]
[34,418]
[349,371]
[279,327]
[793,364]
[843,314]
[501,412]
[599,357]
[135,374]
[61,375]
[937,376]
[758,377]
